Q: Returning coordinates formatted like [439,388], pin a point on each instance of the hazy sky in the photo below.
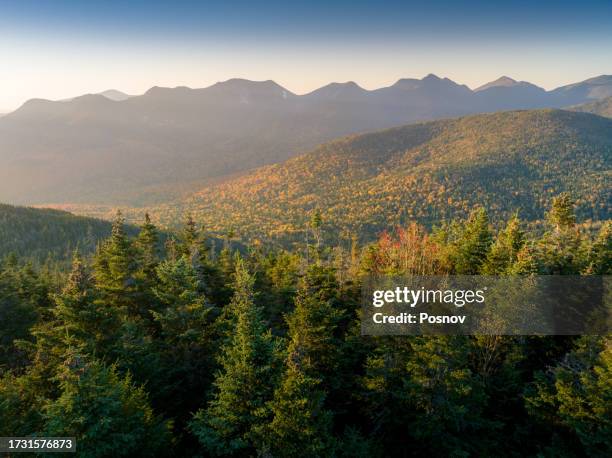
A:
[56,49]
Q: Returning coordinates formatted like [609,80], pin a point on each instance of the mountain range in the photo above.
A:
[112,148]
[426,172]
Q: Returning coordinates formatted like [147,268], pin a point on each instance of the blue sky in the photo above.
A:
[55,49]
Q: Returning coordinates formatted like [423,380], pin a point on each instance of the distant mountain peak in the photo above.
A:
[502,81]
[407,83]
[595,81]
[87,98]
[432,77]
[507,82]
[245,83]
[167,92]
[338,90]
[115,95]
[348,84]
[429,80]
[601,79]
[246,88]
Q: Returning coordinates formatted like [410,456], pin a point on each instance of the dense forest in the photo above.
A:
[428,172]
[42,234]
[183,348]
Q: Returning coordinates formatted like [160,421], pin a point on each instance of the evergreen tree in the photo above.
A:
[78,320]
[81,349]
[525,263]
[244,385]
[471,246]
[185,341]
[114,270]
[423,396]
[505,250]
[562,250]
[188,237]
[18,313]
[106,413]
[316,221]
[312,324]
[561,215]
[21,405]
[147,244]
[448,395]
[574,399]
[600,253]
[301,426]
[355,255]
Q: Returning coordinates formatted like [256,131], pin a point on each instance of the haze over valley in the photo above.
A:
[120,150]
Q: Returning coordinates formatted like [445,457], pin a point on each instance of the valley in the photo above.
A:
[116,149]
[425,172]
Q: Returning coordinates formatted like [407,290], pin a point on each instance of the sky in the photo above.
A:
[58,49]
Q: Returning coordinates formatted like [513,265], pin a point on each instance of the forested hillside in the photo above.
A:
[599,107]
[153,147]
[192,351]
[42,233]
[429,172]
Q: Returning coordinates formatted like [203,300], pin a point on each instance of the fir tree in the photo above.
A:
[147,244]
[470,249]
[188,237]
[312,324]
[18,314]
[114,270]
[301,426]
[184,321]
[244,385]
[562,250]
[574,399]
[505,250]
[106,413]
[561,215]
[600,253]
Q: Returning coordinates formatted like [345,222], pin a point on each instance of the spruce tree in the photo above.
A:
[561,215]
[525,263]
[471,247]
[574,400]
[185,340]
[114,269]
[312,324]
[105,412]
[562,249]
[188,237]
[600,253]
[244,385]
[504,251]
[78,321]
[301,425]
[147,245]
[18,313]
[21,405]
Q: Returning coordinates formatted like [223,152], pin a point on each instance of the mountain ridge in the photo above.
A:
[601,107]
[503,81]
[96,150]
